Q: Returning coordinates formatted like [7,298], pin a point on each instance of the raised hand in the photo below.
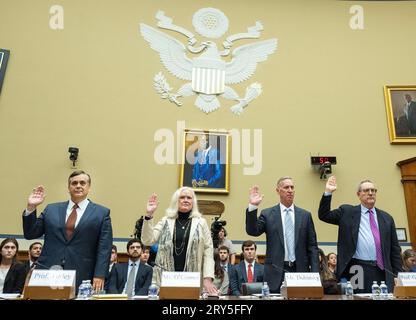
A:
[255,197]
[151,205]
[331,184]
[36,198]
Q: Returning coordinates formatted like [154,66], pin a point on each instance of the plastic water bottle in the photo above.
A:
[82,290]
[88,289]
[265,291]
[153,292]
[349,291]
[384,291]
[375,290]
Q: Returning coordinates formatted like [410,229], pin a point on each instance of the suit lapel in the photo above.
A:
[243,271]
[87,213]
[62,218]
[355,224]
[298,216]
[382,228]
[276,214]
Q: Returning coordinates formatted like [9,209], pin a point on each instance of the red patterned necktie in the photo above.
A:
[376,235]
[250,273]
[70,223]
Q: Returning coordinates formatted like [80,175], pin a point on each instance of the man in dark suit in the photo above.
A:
[34,252]
[248,270]
[135,270]
[411,114]
[290,234]
[367,240]
[78,233]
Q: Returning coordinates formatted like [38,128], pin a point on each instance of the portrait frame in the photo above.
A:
[4,58]
[401,113]
[205,165]
[401,234]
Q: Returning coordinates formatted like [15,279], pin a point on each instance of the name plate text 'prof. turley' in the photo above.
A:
[52,278]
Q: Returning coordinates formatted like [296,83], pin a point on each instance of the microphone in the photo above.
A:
[154,264]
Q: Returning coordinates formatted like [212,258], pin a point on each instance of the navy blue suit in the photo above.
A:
[306,247]
[238,276]
[89,249]
[348,219]
[118,279]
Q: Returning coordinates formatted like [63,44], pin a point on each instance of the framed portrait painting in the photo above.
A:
[205,161]
[401,113]
[4,58]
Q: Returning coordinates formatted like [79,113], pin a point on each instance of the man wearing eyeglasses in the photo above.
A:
[368,249]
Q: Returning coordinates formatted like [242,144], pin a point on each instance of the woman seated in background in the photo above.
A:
[328,279]
[12,272]
[332,262]
[409,260]
[221,280]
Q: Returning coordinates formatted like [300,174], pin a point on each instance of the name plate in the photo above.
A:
[52,278]
[181,279]
[407,279]
[302,279]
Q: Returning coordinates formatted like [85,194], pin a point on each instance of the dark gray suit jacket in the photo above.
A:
[88,251]
[238,276]
[118,278]
[306,248]
[348,219]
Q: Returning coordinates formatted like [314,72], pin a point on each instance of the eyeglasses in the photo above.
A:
[368,190]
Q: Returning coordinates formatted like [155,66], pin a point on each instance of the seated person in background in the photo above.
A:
[221,279]
[328,278]
[409,260]
[113,261]
[34,252]
[222,234]
[12,272]
[145,254]
[113,257]
[247,270]
[332,262]
[134,277]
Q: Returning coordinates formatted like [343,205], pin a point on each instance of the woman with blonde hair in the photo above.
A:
[183,237]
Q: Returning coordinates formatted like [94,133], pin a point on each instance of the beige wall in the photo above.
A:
[90,86]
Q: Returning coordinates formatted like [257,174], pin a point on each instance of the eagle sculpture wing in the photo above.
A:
[171,51]
[246,58]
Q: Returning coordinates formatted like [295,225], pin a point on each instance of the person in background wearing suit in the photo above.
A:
[366,238]
[34,252]
[207,171]
[290,234]
[12,272]
[247,270]
[133,277]
[78,233]
[410,111]
[113,261]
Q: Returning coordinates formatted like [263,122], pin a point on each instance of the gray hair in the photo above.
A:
[172,210]
[364,181]
[283,178]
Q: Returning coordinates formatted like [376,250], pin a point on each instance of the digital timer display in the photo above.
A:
[321,160]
